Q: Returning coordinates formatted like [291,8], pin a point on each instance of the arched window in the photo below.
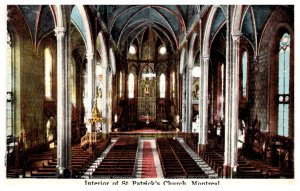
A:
[131,86]
[173,84]
[48,72]
[222,92]
[283,85]
[10,78]
[120,85]
[244,73]
[162,86]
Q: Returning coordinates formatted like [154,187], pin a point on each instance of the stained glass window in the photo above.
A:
[48,73]
[244,73]
[9,100]
[131,85]
[283,85]
[173,84]
[121,84]
[162,86]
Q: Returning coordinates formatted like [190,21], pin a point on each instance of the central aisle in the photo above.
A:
[148,165]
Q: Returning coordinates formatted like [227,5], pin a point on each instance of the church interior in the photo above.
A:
[150,91]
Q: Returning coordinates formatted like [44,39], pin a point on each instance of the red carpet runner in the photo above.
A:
[148,165]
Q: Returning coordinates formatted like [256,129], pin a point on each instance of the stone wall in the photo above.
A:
[29,80]
[262,69]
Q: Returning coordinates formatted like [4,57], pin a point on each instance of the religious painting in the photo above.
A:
[195,89]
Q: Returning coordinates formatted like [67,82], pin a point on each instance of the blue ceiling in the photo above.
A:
[45,27]
[78,22]
[172,20]
[247,27]
[254,21]
[218,21]
[31,13]
[261,14]
[125,22]
[39,19]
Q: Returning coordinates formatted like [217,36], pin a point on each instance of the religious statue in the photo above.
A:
[196,90]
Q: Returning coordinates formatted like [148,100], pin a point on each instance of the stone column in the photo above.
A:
[63,107]
[231,101]
[105,98]
[222,92]
[189,100]
[90,86]
[183,120]
[226,169]
[235,101]
[200,103]
[203,103]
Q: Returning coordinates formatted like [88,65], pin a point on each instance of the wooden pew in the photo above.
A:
[14,173]
[121,159]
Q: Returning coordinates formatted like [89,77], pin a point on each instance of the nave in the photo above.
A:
[147,156]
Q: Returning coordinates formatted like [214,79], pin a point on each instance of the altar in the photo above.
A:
[145,118]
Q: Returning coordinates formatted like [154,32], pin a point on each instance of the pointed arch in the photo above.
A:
[191,50]
[182,58]
[207,30]
[237,19]
[112,60]
[87,27]
[103,50]
[131,85]
[60,21]
[162,85]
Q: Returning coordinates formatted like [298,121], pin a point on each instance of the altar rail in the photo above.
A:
[90,138]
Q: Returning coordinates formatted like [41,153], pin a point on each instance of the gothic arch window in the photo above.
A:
[120,84]
[173,84]
[244,74]
[283,85]
[48,72]
[10,89]
[162,86]
[222,94]
[130,86]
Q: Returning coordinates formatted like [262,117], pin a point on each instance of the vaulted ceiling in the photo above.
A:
[124,23]
[255,19]
[39,19]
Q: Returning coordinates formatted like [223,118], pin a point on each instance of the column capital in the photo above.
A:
[60,31]
[236,35]
[89,55]
[255,59]
[205,57]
